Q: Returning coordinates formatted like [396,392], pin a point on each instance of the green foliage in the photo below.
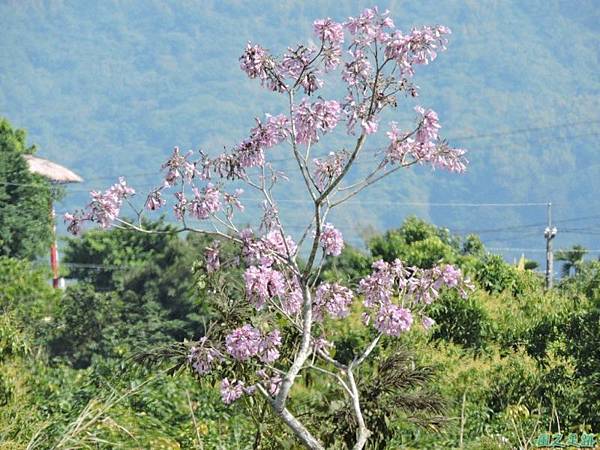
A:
[87,323]
[494,275]
[573,259]
[349,267]
[496,367]
[136,290]
[25,223]
[416,243]
[462,321]
[25,292]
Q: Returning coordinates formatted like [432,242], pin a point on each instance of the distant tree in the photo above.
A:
[25,223]
[135,290]
[472,245]
[417,243]
[573,259]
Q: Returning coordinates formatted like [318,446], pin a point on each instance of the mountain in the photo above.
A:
[108,88]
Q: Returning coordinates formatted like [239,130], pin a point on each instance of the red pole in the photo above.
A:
[54,249]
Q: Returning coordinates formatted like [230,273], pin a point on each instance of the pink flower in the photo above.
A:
[418,47]
[331,240]
[358,69]
[369,126]
[202,357]
[155,200]
[234,199]
[329,168]
[269,347]
[328,30]
[377,288]
[271,383]
[231,390]
[333,298]
[258,64]
[291,301]
[332,36]
[427,322]
[263,283]
[311,119]
[451,275]
[243,343]
[103,209]
[274,242]
[180,207]
[212,257]
[429,126]
[205,203]
[393,320]
[177,167]
[369,26]
[271,133]
[249,154]
[74,223]
[426,147]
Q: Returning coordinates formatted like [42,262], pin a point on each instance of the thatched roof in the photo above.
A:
[54,172]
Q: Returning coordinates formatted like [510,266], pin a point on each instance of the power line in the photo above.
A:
[524,130]
[534,250]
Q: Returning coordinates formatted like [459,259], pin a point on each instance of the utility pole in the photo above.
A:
[549,233]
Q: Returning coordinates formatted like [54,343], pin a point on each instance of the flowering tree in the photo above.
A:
[287,331]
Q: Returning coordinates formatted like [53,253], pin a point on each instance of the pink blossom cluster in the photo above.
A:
[310,119]
[418,47]
[291,302]
[370,26]
[427,322]
[178,166]
[231,390]
[211,255]
[266,250]
[270,382]
[202,357]
[247,154]
[233,201]
[329,168]
[332,37]
[379,287]
[331,240]
[333,299]
[296,65]
[451,275]
[295,61]
[392,319]
[272,132]
[246,342]
[155,200]
[257,63]
[412,285]
[250,153]
[103,209]
[205,203]
[263,283]
[429,126]
[425,147]
[358,69]
[274,242]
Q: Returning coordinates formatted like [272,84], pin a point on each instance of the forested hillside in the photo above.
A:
[108,88]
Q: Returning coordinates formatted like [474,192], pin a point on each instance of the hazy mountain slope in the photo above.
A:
[109,87]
